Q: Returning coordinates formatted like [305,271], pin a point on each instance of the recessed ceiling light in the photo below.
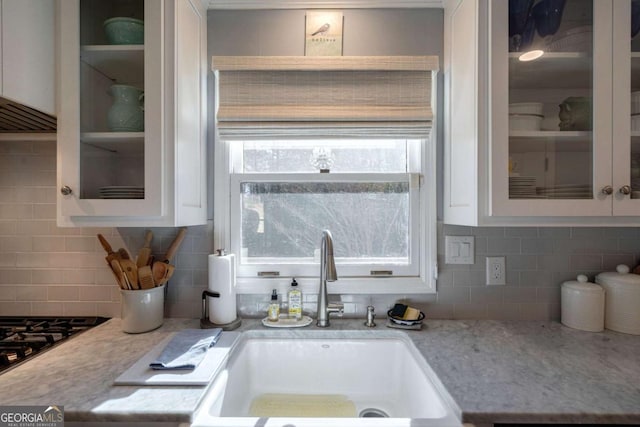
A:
[531,55]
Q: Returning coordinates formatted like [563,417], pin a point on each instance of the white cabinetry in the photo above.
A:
[556,171]
[27,71]
[155,176]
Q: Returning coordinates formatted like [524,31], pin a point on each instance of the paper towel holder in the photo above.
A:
[205,323]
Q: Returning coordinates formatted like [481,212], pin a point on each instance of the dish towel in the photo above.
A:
[186,349]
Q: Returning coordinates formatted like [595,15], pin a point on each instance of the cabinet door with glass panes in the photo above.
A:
[626,107]
[551,130]
[110,96]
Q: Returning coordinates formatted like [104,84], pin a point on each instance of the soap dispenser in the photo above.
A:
[274,307]
[294,297]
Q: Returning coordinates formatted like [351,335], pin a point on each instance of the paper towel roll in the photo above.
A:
[222,279]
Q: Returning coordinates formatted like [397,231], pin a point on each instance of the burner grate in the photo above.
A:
[24,337]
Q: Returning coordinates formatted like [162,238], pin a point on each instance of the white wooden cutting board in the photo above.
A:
[141,374]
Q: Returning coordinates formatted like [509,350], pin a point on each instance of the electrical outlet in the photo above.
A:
[496,272]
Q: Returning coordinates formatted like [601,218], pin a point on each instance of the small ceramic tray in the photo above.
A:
[416,326]
[287,322]
[399,321]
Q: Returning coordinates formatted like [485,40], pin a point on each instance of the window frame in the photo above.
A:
[226,225]
[347,269]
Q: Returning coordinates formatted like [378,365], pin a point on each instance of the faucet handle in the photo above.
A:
[336,307]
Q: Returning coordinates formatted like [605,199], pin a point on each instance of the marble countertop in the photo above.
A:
[495,371]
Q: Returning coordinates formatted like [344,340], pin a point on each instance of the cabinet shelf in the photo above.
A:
[115,142]
[554,70]
[541,141]
[119,63]
[549,134]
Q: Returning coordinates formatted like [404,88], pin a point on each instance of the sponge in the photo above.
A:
[404,312]
[411,314]
[399,310]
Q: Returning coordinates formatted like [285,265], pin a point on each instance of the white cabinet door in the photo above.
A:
[626,114]
[28,49]
[462,189]
[190,110]
[551,141]
[151,176]
[543,165]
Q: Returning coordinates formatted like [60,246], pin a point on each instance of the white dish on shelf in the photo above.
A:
[525,122]
[525,180]
[635,123]
[107,193]
[578,42]
[534,108]
[121,188]
[284,321]
[121,197]
[121,192]
[527,196]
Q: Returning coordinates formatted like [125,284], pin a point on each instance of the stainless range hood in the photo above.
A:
[27,66]
[15,117]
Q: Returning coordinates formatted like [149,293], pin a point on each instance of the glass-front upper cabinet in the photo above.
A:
[626,106]
[132,116]
[111,97]
[551,105]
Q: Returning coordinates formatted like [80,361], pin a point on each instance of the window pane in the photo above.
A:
[369,221]
[335,155]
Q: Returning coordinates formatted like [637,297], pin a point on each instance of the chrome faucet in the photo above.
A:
[327,274]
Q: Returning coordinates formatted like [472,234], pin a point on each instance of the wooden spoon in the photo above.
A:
[145,277]
[145,252]
[167,275]
[173,248]
[122,252]
[129,267]
[158,271]
[107,247]
[160,268]
[122,278]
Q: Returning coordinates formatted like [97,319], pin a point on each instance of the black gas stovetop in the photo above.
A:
[24,337]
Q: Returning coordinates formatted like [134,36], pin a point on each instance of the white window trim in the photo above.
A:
[424,283]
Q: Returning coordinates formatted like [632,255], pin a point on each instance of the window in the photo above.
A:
[305,144]
[372,194]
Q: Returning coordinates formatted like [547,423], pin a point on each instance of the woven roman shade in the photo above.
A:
[324,97]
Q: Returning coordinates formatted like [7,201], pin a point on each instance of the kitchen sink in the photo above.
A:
[311,378]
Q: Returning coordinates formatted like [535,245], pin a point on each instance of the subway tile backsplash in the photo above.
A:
[46,270]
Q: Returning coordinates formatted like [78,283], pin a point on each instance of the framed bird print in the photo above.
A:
[323,33]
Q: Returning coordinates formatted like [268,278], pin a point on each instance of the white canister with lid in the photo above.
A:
[622,310]
[582,305]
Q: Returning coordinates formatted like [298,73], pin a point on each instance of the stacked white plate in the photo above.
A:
[566,191]
[522,187]
[121,192]
[525,116]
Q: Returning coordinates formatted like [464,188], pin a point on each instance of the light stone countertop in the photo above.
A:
[508,372]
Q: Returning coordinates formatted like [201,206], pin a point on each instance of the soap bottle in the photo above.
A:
[295,301]
[274,307]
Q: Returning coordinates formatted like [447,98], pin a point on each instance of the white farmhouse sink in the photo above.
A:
[349,378]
